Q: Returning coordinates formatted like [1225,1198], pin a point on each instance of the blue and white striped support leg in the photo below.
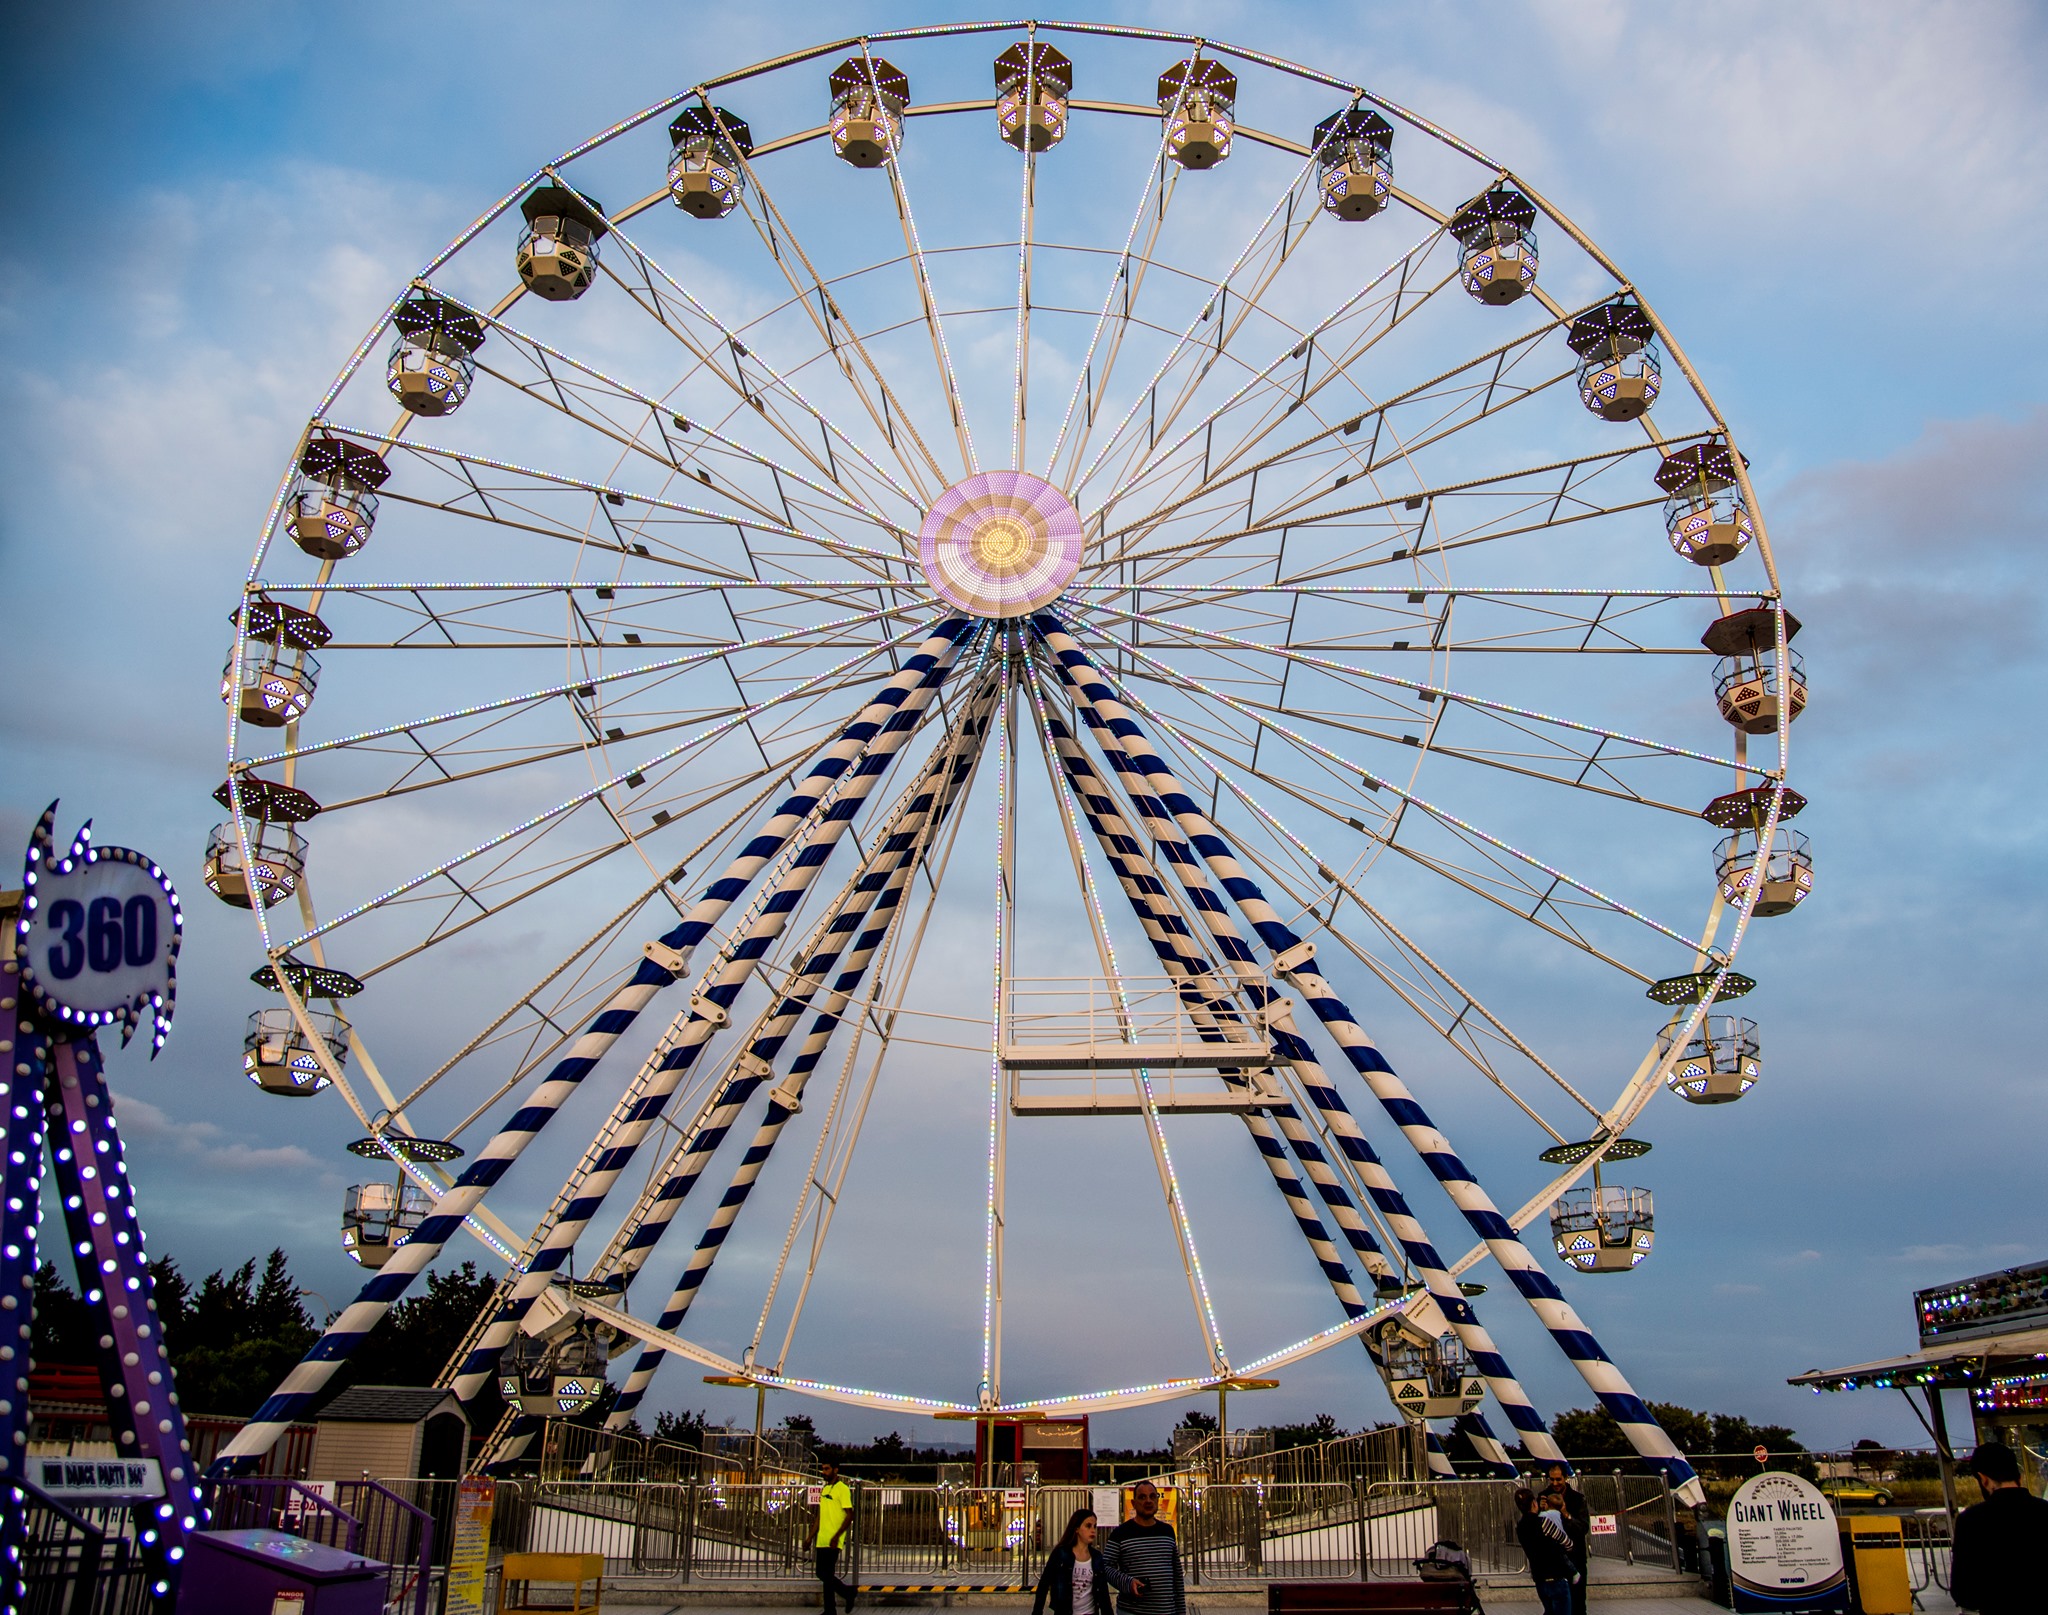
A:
[1142,885]
[656,1210]
[1167,933]
[1584,1352]
[305,1384]
[867,755]
[905,852]
[1132,758]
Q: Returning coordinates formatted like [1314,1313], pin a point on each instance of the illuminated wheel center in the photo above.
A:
[1000,544]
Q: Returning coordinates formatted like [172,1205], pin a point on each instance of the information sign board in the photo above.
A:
[469,1551]
[1783,1551]
[97,1480]
[1607,1525]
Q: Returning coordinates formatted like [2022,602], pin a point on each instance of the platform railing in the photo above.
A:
[719,1532]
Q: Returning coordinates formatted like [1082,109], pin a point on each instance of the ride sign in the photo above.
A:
[1783,1551]
[99,934]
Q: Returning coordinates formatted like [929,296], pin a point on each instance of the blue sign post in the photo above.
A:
[95,945]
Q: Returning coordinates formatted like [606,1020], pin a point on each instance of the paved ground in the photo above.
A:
[1495,1599]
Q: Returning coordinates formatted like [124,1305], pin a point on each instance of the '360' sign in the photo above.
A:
[99,933]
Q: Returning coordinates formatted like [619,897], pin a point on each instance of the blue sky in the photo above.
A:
[1836,207]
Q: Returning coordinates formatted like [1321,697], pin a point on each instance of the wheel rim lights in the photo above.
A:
[1000,544]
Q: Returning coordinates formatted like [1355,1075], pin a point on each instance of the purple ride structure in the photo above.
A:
[90,941]
[1256,570]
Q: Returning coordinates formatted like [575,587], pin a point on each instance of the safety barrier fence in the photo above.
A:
[724,1532]
[394,1524]
[74,1561]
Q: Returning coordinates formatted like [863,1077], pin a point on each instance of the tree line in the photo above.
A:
[236,1333]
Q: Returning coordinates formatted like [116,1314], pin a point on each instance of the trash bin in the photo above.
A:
[1874,1550]
[1714,1562]
[265,1572]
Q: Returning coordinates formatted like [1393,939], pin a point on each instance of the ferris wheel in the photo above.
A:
[1281,556]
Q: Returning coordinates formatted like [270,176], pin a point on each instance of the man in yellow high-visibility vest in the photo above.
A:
[835,1519]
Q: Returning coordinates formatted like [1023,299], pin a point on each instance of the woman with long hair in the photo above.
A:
[1077,1580]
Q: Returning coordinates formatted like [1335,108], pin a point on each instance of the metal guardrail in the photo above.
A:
[74,1561]
[720,1531]
[366,1517]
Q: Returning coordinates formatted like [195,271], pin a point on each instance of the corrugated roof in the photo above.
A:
[1952,1363]
[387,1404]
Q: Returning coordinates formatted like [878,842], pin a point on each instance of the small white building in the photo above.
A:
[391,1431]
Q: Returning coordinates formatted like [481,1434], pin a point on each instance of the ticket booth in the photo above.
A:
[1059,1447]
[1987,1336]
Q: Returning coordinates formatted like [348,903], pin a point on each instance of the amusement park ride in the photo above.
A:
[1271,554]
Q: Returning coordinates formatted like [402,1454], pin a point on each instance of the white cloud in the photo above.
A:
[208,1145]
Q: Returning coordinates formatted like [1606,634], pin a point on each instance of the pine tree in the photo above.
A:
[64,1331]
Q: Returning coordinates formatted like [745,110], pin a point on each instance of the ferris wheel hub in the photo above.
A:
[1000,544]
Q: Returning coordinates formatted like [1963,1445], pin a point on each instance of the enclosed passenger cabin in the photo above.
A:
[277,853]
[1033,82]
[705,165]
[1782,881]
[377,1218]
[1603,1230]
[1749,684]
[277,858]
[275,682]
[558,248]
[1704,513]
[1720,1061]
[333,501]
[276,1054]
[556,1377]
[1427,1378]
[1355,155]
[1619,369]
[432,361]
[1496,236]
[868,98]
[280,1058]
[1198,97]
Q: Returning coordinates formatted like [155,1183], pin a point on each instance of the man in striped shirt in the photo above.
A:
[1145,1549]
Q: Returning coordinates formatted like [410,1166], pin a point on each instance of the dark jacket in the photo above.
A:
[1548,1559]
[2000,1561]
[1056,1583]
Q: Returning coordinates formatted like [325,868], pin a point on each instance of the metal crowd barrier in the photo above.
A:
[707,1532]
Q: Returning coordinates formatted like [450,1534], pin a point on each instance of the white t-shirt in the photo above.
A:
[1084,1585]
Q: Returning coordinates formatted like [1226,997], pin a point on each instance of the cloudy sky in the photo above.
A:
[1838,207]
